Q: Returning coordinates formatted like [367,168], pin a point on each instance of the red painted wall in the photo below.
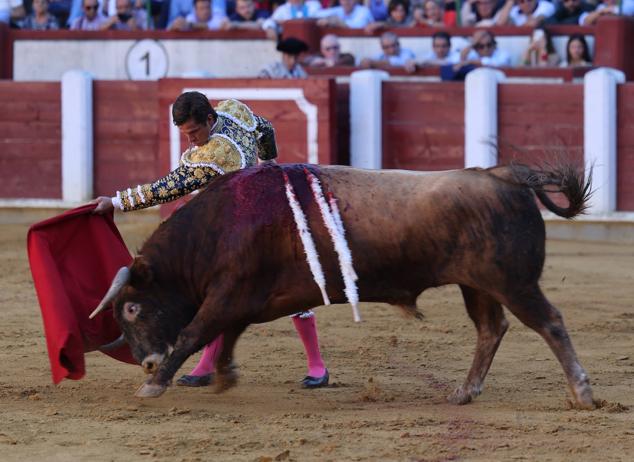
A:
[625,147]
[30,140]
[542,120]
[423,125]
[126,138]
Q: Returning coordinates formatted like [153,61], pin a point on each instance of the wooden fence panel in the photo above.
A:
[423,125]
[30,140]
[126,138]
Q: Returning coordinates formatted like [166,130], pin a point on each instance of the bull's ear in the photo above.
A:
[141,272]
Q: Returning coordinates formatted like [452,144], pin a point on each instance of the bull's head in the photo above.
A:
[149,313]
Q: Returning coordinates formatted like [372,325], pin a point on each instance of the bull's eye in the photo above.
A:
[131,311]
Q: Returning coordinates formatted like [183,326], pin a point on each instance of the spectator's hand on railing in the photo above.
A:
[411,66]
[179,24]
[373,27]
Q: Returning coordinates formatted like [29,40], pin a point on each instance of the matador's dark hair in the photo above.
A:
[192,105]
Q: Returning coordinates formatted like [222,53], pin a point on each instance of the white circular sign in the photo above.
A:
[146,60]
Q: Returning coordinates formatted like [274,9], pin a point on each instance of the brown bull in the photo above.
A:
[232,257]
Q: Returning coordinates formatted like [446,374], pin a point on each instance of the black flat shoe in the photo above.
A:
[316,382]
[195,380]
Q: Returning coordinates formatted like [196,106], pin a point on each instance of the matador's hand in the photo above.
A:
[104,205]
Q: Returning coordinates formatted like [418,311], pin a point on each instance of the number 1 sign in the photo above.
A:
[146,60]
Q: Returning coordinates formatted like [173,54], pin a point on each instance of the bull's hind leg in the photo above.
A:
[534,310]
[488,317]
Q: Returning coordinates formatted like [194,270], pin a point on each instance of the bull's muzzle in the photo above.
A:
[152,362]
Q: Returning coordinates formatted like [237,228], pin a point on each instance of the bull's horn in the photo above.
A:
[119,341]
[120,279]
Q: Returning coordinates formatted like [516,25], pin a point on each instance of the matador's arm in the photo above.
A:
[177,183]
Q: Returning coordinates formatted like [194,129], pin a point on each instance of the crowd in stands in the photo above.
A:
[372,16]
[269,15]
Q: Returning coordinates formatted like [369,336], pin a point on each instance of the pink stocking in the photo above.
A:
[307,330]
[207,362]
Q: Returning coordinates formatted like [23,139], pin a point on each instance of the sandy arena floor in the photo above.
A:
[390,378]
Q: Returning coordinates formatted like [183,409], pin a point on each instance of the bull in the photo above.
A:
[232,257]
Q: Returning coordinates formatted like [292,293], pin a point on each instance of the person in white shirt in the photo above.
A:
[11,9]
[441,53]
[202,18]
[91,19]
[529,12]
[392,55]
[348,14]
[483,51]
[292,9]
[607,8]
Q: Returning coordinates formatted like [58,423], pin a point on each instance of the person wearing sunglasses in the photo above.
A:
[483,51]
[330,54]
[90,19]
[393,54]
[529,12]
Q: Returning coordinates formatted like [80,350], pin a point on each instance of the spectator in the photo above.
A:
[378,8]
[246,16]
[330,54]
[348,14]
[127,18]
[569,12]
[607,8]
[431,14]
[184,8]
[528,12]
[40,19]
[577,52]
[60,9]
[483,51]
[11,10]
[292,9]
[541,52]
[91,18]
[441,53]
[202,18]
[485,13]
[289,68]
[397,16]
[392,55]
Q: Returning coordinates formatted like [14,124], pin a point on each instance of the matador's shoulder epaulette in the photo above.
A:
[238,112]
[220,154]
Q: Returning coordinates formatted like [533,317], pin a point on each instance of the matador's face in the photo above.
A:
[197,133]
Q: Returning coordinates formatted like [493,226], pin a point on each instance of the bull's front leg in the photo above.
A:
[226,373]
[188,343]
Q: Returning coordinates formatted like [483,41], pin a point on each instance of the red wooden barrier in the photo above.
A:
[542,120]
[625,147]
[30,140]
[423,125]
[126,137]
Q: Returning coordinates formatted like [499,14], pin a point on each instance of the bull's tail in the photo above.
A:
[564,178]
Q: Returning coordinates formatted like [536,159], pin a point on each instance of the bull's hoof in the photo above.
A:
[150,390]
[225,380]
[461,396]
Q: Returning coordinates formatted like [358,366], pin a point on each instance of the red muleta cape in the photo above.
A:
[74,257]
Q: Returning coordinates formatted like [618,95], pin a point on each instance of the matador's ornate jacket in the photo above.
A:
[236,140]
